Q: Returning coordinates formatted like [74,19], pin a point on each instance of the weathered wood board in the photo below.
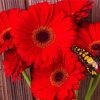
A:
[20,90]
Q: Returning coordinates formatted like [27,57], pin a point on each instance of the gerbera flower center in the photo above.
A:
[7,36]
[43,36]
[95,46]
[58,77]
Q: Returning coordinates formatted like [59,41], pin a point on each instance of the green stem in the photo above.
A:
[26,78]
[76,92]
[95,83]
[92,86]
[87,97]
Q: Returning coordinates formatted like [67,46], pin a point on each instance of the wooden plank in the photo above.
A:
[1,86]
[20,90]
[37,1]
[8,89]
[1,62]
[4,94]
[7,4]
[96,11]
[96,18]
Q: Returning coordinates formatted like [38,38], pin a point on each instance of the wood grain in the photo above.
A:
[96,11]
[8,89]
[20,90]
[36,1]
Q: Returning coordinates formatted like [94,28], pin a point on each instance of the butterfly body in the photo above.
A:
[87,59]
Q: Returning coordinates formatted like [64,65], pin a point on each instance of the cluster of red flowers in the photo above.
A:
[42,36]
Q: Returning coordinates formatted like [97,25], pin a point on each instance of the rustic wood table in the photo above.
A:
[20,90]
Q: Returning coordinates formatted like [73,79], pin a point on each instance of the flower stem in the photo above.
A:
[89,87]
[26,78]
[76,92]
[92,86]
[95,83]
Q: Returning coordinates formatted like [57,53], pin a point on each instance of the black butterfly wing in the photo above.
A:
[91,70]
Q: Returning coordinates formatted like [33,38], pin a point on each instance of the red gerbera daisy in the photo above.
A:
[75,8]
[59,80]
[7,19]
[41,31]
[70,96]
[89,39]
[13,64]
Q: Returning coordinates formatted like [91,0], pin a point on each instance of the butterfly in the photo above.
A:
[87,59]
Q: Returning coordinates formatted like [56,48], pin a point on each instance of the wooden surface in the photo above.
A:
[20,90]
